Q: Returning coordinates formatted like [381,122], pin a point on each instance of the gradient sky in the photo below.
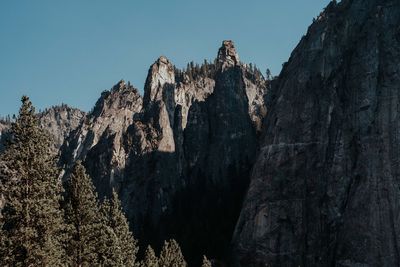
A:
[70,51]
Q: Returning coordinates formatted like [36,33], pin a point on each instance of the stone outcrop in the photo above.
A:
[227,56]
[179,159]
[58,121]
[4,125]
[189,91]
[159,102]
[325,189]
[99,142]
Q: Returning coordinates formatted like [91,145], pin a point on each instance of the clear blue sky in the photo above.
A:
[70,51]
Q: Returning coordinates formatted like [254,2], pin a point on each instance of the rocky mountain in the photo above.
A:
[299,171]
[99,137]
[180,156]
[325,189]
[59,121]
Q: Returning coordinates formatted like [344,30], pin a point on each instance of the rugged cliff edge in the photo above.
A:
[99,137]
[58,121]
[180,156]
[325,188]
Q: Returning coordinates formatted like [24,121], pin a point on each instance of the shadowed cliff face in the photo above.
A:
[181,159]
[325,190]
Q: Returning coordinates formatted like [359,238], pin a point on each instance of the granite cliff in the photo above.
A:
[324,189]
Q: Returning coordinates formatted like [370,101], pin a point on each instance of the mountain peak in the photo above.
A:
[163,59]
[160,76]
[227,55]
[120,85]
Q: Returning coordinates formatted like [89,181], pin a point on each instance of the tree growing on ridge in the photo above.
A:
[31,218]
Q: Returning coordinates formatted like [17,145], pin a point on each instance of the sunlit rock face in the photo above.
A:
[192,90]
[99,140]
[180,156]
[159,102]
[57,121]
[227,56]
[324,190]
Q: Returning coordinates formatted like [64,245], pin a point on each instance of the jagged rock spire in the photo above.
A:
[159,100]
[159,79]
[120,85]
[227,55]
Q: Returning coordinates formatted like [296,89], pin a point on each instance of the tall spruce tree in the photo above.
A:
[31,218]
[150,258]
[91,241]
[116,220]
[171,255]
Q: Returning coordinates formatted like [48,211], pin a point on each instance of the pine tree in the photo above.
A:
[251,67]
[31,216]
[268,75]
[206,262]
[107,248]
[150,258]
[117,221]
[171,255]
[204,68]
[91,241]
